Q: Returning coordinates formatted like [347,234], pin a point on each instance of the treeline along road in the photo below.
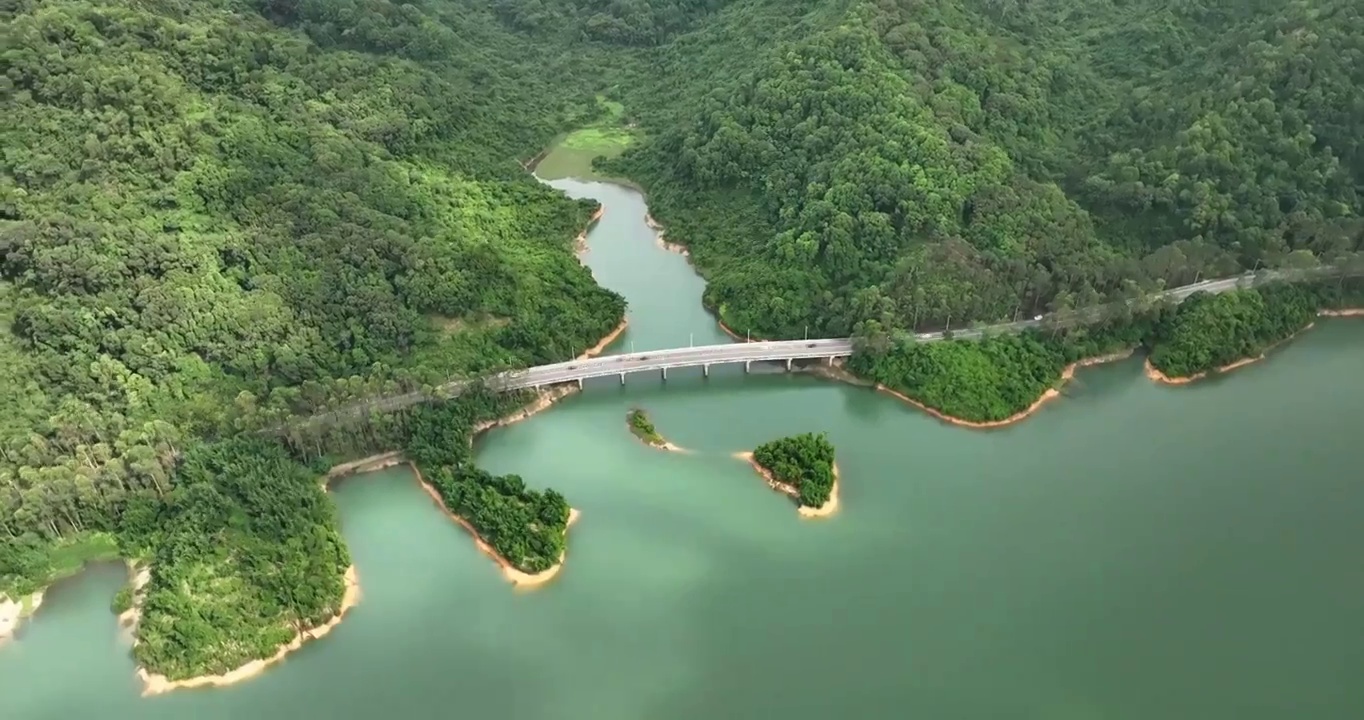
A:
[779,350]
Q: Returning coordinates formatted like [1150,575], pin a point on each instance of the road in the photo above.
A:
[791,350]
[772,351]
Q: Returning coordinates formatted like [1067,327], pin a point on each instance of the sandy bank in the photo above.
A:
[580,242]
[833,371]
[516,577]
[730,332]
[153,684]
[1154,374]
[138,577]
[661,241]
[373,463]
[829,507]
[14,612]
[601,345]
[661,444]
[542,402]
[1052,393]
[1343,312]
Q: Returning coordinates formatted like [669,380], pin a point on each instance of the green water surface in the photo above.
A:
[1132,552]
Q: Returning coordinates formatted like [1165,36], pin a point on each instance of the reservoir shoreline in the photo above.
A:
[157,684]
[1156,375]
[13,613]
[829,507]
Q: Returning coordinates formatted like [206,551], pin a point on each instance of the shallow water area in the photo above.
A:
[1132,551]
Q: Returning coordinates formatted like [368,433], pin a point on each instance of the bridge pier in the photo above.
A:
[829,361]
[622,378]
[580,383]
[788,364]
[705,370]
[665,373]
[748,365]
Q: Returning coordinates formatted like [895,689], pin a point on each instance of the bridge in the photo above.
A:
[784,351]
[789,351]
[664,360]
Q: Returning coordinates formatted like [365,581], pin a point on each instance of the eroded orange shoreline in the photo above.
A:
[605,342]
[140,575]
[829,507]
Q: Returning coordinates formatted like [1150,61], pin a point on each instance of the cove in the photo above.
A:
[1131,551]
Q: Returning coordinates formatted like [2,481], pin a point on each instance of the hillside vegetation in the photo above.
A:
[926,165]
[217,215]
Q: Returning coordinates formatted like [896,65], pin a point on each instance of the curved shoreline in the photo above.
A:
[580,242]
[829,507]
[156,684]
[659,239]
[1051,393]
[13,613]
[736,336]
[153,684]
[518,578]
[1156,375]
[602,344]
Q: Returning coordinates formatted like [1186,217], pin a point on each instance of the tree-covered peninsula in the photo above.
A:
[1217,331]
[526,528]
[801,466]
[219,216]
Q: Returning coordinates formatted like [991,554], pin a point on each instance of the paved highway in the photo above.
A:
[773,351]
[791,350]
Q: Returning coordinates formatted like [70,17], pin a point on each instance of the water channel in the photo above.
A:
[1131,552]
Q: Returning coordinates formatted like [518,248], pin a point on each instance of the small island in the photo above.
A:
[801,466]
[643,428]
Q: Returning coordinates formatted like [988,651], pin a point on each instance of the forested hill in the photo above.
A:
[924,164]
[216,213]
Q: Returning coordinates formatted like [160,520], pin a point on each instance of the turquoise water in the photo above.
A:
[1131,552]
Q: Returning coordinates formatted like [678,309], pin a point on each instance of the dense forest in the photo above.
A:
[244,553]
[805,462]
[930,165]
[217,215]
